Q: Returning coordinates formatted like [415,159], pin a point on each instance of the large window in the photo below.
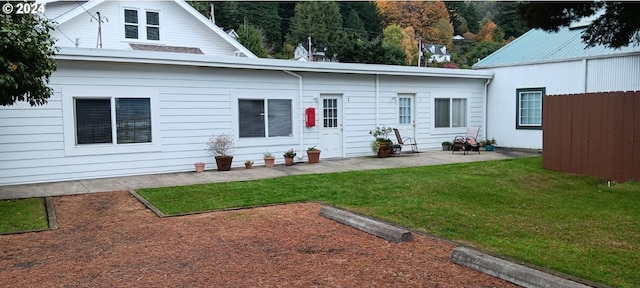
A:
[94,124]
[259,117]
[529,108]
[450,112]
[132,24]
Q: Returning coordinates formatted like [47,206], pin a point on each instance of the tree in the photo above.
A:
[490,32]
[251,38]
[509,20]
[354,24]
[26,57]
[320,20]
[404,39]
[618,26]
[481,50]
[423,16]
[353,49]
[367,12]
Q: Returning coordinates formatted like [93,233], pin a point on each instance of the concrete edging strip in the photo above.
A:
[382,230]
[509,271]
[51,214]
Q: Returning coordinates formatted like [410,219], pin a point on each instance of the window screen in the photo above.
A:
[153,26]
[133,120]
[130,24]
[93,121]
[251,118]
[280,119]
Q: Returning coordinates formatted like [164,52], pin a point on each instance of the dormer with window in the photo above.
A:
[141,25]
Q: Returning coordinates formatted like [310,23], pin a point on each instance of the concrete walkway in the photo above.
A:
[260,172]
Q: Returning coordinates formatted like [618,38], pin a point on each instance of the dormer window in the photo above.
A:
[132,25]
[153,25]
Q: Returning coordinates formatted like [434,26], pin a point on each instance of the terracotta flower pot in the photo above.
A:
[248,165]
[269,161]
[224,162]
[288,161]
[384,149]
[199,167]
[314,156]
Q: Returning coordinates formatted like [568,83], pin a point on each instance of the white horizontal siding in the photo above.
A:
[193,103]
[177,28]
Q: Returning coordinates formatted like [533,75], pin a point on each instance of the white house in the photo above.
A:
[542,63]
[124,111]
[437,53]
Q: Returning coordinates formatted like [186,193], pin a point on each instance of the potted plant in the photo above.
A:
[199,167]
[248,164]
[313,154]
[288,157]
[220,146]
[446,146]
[382,144]
[489,144]
[269,160]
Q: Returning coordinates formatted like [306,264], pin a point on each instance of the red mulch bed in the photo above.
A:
[112,240]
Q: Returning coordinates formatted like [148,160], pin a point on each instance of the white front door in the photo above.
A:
[331,126]
[406,115]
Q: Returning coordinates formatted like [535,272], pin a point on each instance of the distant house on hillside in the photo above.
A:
[318,55]
[437,53]
[542,63]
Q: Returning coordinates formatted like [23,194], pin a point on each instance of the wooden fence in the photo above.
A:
[596,134]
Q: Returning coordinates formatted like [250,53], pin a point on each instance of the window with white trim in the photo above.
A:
[529,108]
[94,124]
[404,110]
[262,117]
[450,112]
[131,24]
[153,25]
[133,21]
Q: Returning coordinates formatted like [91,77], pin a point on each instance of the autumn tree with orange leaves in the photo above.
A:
[490,32]
[429,19]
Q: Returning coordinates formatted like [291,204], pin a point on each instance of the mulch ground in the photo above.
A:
[112,240]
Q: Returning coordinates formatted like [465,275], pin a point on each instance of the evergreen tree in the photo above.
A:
[509,20]
[367,12]
[251,38]
[319,20]
[354,24]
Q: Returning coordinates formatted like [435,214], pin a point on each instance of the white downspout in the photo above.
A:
[486,107]
[301,114]
[584,67]
[377,99]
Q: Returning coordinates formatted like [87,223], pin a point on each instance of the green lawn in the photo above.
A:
[572,224]
[22,215]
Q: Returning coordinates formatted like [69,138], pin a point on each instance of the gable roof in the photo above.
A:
[85,6]
[538,46]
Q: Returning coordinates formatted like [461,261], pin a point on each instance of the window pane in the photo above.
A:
[153,33]
[330,112]
[131,16]
[131,31]
[251,114]
[442,113]
[404,110]
[133,120]
[280,118]
[93,121]
[153,18]
[530,108]
[459,112]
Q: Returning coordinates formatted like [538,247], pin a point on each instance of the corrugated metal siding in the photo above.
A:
[613,74]
[538,46]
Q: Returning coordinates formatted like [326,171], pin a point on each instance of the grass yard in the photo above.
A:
[22,215]
[572,224]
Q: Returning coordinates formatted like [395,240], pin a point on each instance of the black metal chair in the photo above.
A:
[406,141]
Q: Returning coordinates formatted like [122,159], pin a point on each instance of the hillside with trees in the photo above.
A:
[380,32]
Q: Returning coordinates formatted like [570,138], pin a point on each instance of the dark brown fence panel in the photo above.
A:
[595,134]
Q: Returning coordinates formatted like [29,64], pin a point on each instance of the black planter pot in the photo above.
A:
[224,162]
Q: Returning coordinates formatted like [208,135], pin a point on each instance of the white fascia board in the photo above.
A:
[166,58]
[81,8]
